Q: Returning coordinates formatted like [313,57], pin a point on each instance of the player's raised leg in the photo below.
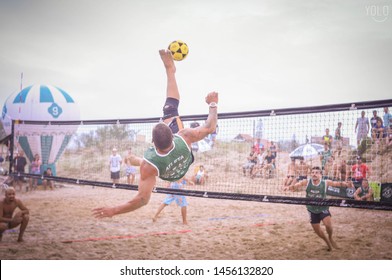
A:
[170,109]
[168,62]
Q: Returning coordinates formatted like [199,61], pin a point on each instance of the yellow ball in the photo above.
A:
[179,50]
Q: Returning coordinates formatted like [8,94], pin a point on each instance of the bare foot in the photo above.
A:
[167,60]
[154,219]
[20,239]
[333,243]
[329,246]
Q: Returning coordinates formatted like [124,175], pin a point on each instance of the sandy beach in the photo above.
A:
[62,227]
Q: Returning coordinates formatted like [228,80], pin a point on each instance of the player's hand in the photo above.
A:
[103,212]
[212,97]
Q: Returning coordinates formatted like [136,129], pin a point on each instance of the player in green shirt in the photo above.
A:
[317,188]
[171,155]
[364,192]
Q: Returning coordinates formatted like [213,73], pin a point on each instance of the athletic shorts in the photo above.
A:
[115,175]
[361,135]
[357,182]
[317,218]
[198,179]
[179,199]
[130,170]
[170,110]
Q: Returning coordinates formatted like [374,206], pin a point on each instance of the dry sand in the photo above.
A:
[218,229]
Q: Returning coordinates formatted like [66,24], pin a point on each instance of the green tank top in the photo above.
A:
[173,165]
[318,191]
[364,191]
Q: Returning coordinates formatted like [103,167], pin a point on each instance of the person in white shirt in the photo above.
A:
[115,161]
[362,127]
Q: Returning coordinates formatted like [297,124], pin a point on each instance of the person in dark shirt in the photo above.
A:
[47,182]
[269,164]
[20,163]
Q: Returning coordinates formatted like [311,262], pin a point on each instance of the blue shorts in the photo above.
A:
[317,218]
[198,179]
[130,170]
[179,199]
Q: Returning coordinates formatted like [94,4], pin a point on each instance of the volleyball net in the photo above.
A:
[250,157]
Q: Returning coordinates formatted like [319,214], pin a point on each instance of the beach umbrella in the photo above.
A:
[41,103]
[307,151]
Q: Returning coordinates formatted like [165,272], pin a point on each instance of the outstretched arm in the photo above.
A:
[192,135]
[146,185]
[356,194]
[337,183]
[296,185]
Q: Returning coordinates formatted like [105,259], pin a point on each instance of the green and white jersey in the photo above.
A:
[173,165]
[364,191]
[313,191]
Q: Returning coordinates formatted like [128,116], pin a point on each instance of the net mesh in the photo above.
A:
[238,159]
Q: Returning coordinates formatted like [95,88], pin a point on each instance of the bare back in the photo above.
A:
[303,169]
[291,169]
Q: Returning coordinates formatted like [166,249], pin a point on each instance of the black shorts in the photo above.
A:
[357,182]
[317,218]
[170,110]
[115,175]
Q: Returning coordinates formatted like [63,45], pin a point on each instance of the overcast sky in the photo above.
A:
[257,54]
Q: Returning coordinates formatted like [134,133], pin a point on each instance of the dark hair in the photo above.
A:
[162,136]
[316,168]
